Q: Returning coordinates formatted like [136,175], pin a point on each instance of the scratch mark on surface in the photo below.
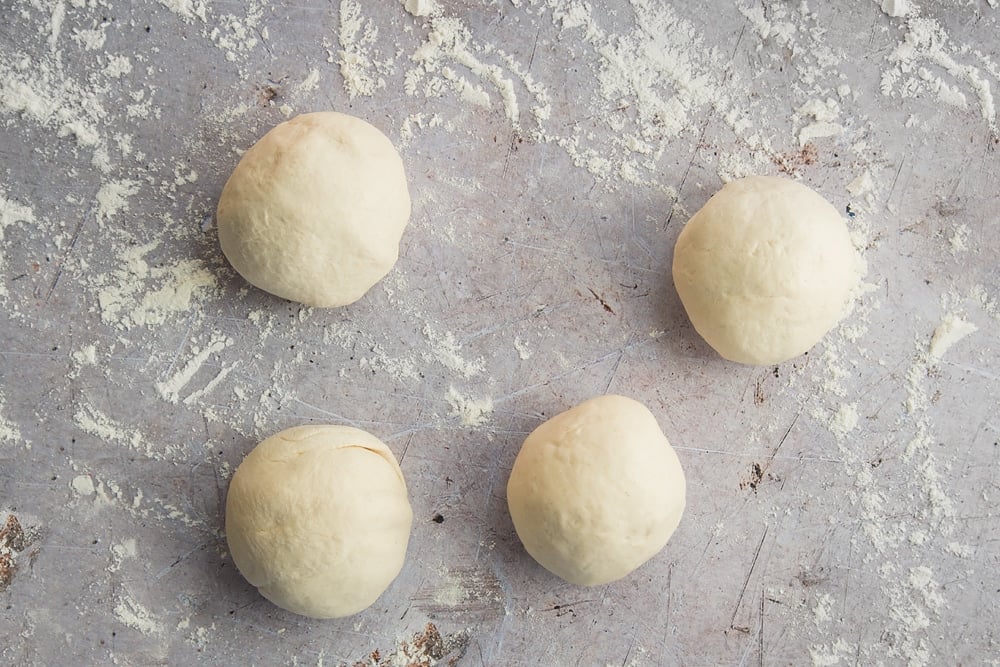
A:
[770,459]
[760,634]
[601,300]
[327,413]
[746,581]
[892,188]
[69,249]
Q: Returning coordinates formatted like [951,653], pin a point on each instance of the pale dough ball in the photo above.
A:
[317,518]
[765,269]
[314,211]
[596,491]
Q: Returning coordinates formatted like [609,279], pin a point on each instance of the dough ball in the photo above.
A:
[596,491]
[314,210]
[765,269]
[318,519]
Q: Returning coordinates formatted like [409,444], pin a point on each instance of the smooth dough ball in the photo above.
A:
[314,211]
[765,269]
[317,518]
[596,491]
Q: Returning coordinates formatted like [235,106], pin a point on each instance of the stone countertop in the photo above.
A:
[840,505]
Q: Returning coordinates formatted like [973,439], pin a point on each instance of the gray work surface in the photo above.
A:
[840,506]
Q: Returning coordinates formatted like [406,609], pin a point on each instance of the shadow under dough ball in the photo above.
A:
[596,491]
[318,519]
[315,210]
[765,269]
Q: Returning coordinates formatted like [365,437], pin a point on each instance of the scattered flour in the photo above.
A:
[83,485]
[129,612]
[11,213]
[951,330]
[927,42]
[126,301]
[447,351]
[472,412]
[101,426]
[896,8]
[9,432]
[357,60]
[170,389]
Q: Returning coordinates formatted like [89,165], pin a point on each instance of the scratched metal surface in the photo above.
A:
[527,247]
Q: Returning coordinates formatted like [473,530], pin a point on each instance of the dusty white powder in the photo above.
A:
[126,299]
[93,421]
[358,65]
[112,198]
[828,655]
[896,8]
[926,42]
[447,351]
[421,7]
[823,114]
[170,388]
[83,485]
[952,329]
[11,213]
[129,612]
[187,9]
[472,411]
[523,351]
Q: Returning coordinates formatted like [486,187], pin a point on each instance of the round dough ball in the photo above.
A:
[765,269]
[596,491]
[317,518]
[314,211]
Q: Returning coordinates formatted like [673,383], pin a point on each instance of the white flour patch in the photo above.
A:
[472,411]
[927,43]
[126,301]
[113,198]
[83,485]
[821,610]
[844,420]
[103,427]
[447,351]
[186,9]
[129,612]
[37,92]
[358,65]
[828,655]
[9,432]
[11,213]
[421,7]
[196,396]
[951,330]
[86,355]
[121,551]
[958,241]
[170,389]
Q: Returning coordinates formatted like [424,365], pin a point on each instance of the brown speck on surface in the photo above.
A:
[13,540]
[426,648]
[791,162]
[756,476]
[601,300]
[758,393]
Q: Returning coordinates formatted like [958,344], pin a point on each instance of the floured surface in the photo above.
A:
[841,507]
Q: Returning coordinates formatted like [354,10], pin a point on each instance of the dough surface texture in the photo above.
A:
[315,210]
[765,269]
[596,491]
[317,518]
